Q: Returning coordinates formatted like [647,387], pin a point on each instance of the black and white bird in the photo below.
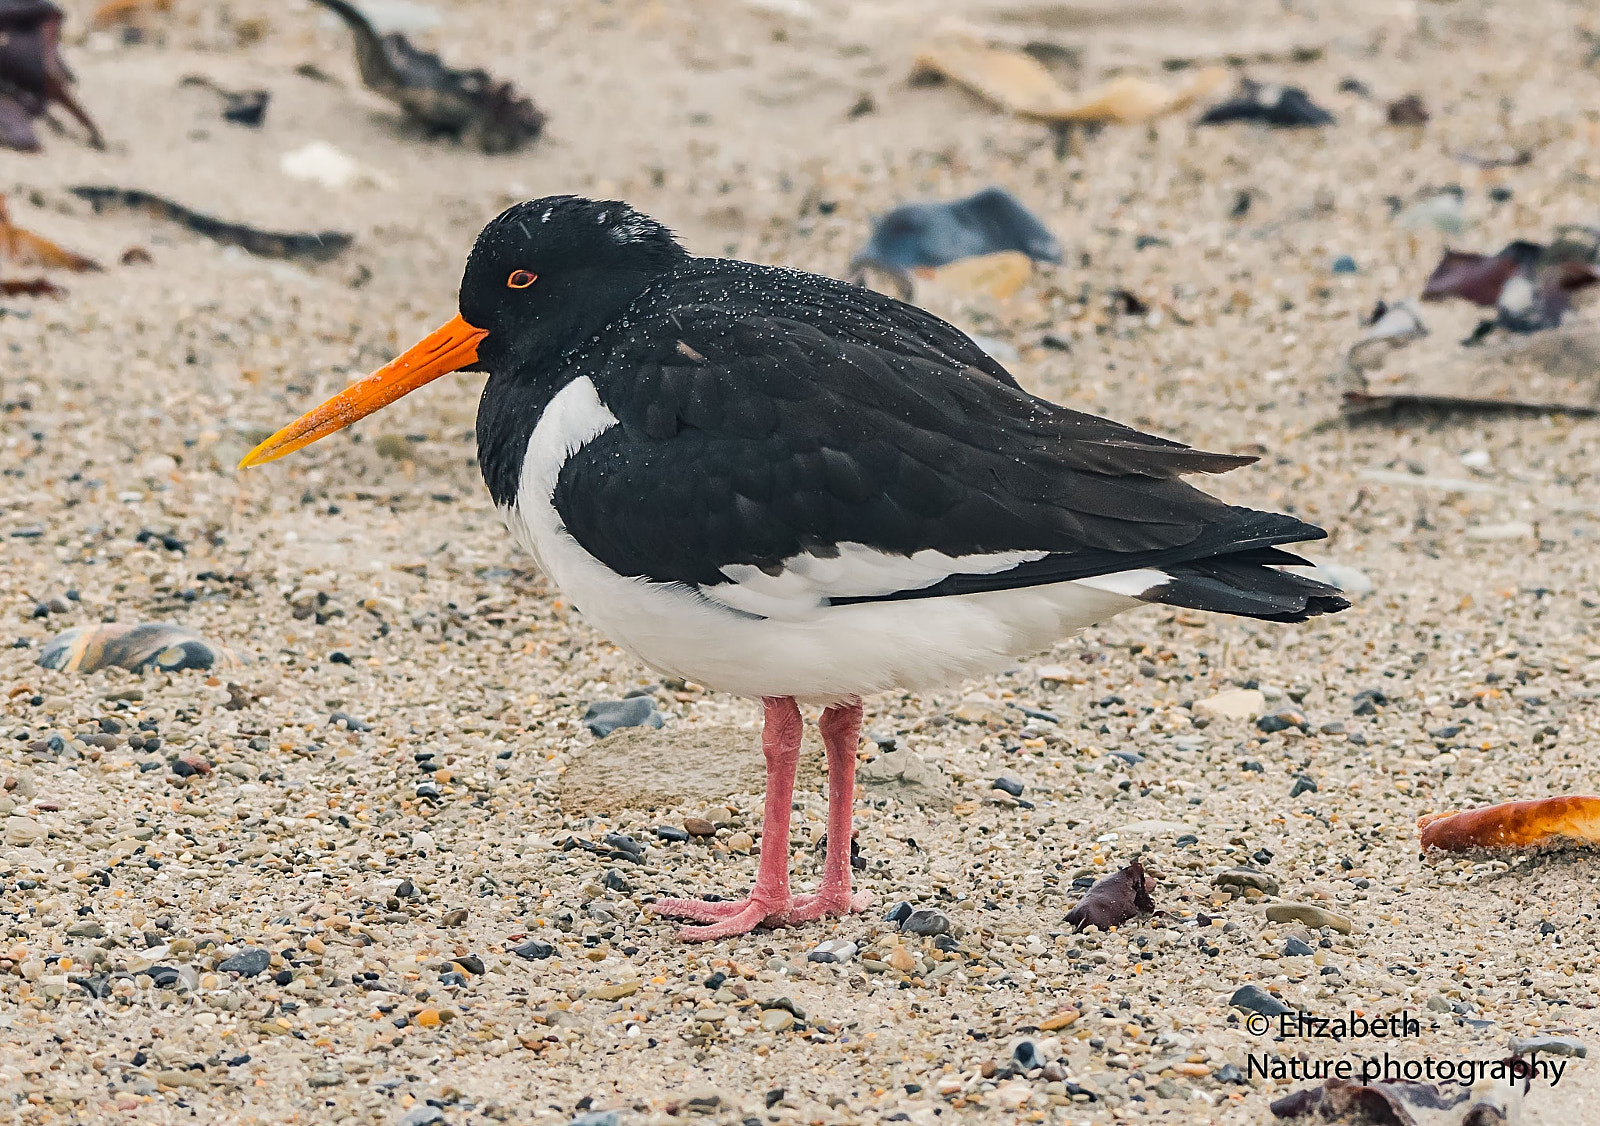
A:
[789,488]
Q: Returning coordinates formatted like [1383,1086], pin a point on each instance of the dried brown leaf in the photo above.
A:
[24,248]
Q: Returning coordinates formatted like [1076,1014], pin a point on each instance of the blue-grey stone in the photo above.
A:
[1254,999]
[249,962]
[606,716]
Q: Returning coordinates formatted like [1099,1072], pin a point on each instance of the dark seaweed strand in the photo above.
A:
[315,247]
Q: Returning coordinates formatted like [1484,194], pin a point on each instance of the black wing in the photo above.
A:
[745,441]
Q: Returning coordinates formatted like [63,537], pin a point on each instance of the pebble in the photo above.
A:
[1303,784]
[1297,948]
[1236,703]
[901,959]
[421,1116]
[1312,916]
[699,827]
[615,991]
[899,913]
[249,962]
[1244,877]
[1027,1055]
[1059,1020]
[533,950]
[1282,720]
[833,950]
[673,833]
[1549,1045]
[777,1020]
[1007,784]
[926,921]
[188,765]
[1254,999]
[606,716]
[741,842]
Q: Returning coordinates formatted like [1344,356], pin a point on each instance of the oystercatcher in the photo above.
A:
[786,487]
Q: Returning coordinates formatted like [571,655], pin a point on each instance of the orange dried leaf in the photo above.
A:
[1543,822]
[112,12]
[24,248]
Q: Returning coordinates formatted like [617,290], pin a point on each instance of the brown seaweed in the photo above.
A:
[30,287]
[1115,899]
[1363,405]
[33,75]
[466,104]
[1404,1102]
[242,107]
[315,247]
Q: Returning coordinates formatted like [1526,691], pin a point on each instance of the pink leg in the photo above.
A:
[769,899]
[841,733]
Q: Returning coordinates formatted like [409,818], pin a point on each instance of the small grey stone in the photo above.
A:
[1549,1045]
[926,921]
[671,833]
[88,928]
[1311,915]
[249,962]
[1254,999]
[606,716]
[325,1079]
[1302,785]
[899,913]
[1281,721]
[1027,1055]
[1295,948]
[1008,784]
[1438,1003]
[1228,1073]
[1245,877]
[834,950]
[421,1116]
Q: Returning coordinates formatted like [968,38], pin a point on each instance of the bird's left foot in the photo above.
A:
[731,918]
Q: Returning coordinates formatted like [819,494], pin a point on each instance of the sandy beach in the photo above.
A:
[394,792]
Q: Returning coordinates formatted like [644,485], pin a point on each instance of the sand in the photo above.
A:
[128,402]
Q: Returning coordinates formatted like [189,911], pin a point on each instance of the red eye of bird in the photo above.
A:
[521,279]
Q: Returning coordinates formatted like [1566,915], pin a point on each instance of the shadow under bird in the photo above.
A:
[789,488]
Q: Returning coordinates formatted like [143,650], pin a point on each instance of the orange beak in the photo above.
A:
[441,352]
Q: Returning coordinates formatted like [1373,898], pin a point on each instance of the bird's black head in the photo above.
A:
[546,275]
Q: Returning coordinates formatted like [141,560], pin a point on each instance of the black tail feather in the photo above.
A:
[1248,584]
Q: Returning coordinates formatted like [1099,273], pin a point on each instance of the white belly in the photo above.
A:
[836,653]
